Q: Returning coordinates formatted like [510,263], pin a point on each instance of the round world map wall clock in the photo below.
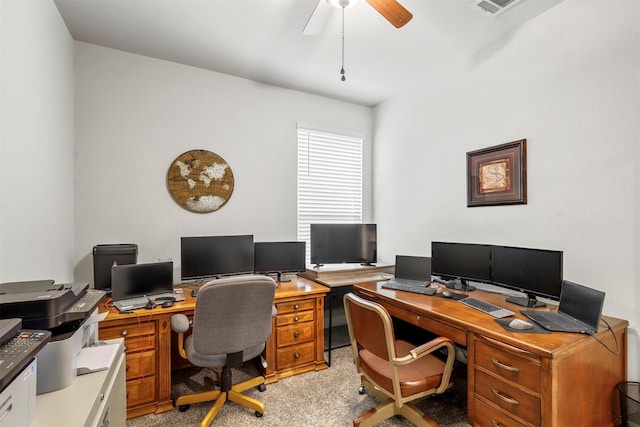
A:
[200,181]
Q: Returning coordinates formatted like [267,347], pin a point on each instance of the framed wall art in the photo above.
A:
[497,175]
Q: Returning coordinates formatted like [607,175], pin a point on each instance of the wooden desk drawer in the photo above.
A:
[136,337]
[141,364]
[295,306]
[513,400]
[295,356]
[490,417]
[141,391]
[289,335]
[294,318]
[510,363]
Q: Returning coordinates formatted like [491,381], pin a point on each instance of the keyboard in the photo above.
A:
[555,321]
[416,289]
[140,302]
[487,307]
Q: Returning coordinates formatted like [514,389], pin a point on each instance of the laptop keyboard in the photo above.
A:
[554,320]
[414,286]
[487,307]
[140,302]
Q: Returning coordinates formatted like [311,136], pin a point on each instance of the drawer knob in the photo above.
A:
[296,306]
[101,397]
[499,395]
[296,334]
[295,319]
[296,355]
[494,423]
[506,367]
[124,332]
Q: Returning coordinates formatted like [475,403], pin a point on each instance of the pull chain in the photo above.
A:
[343,78]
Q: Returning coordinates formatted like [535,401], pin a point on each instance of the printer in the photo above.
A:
[18,370]
[62,309]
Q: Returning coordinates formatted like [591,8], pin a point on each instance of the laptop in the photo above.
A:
[412,270]
[579,310]
[133,285]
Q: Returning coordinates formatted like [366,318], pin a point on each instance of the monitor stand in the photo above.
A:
[280,279]
[528,301]
[465,286]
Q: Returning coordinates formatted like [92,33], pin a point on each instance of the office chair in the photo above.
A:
[231,323]
[396,371]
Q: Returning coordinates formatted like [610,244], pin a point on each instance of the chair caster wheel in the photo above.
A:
[259,414]
[261,388]
[183,408]
[361,389]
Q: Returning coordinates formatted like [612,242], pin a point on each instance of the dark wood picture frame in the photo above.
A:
[497,175]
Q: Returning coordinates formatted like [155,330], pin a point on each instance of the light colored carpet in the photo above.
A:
[326,398]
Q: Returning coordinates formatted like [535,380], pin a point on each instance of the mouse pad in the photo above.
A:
[537,329]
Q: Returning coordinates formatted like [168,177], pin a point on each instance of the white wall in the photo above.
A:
[569,83]
[135,115]
[36,144]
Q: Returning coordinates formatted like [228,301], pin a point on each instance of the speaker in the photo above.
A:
[106,256]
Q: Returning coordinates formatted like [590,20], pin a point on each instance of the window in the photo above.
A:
[329,178]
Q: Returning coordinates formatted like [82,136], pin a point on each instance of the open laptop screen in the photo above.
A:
[581,303]
[137,280]
[413,267]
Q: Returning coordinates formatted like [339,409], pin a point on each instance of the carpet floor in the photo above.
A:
[328,398]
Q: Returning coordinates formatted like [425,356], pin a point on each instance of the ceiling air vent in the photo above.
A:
[493,7]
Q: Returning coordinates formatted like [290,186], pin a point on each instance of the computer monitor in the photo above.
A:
[137,280]
[534,272]
[215,256]
[343,243]
[463,261]
[279,257]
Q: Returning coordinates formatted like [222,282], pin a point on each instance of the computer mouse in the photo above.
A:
[520,324]
[447,294]
[194,292]
[168,303]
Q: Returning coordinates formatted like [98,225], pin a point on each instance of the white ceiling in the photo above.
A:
[262,40]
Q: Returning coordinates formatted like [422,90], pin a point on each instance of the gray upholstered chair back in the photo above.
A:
[233,314]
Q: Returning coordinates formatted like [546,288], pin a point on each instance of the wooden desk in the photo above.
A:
[521,379]
[296,344]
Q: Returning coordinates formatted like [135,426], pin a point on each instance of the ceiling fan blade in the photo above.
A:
[393,11]
[318,18]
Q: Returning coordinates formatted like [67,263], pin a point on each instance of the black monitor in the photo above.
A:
[279,257]
[463,261]
[535,272]
[137,280]
[343,243]
[215,256]
[413,267]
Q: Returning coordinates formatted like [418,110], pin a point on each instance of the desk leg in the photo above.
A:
[330,296]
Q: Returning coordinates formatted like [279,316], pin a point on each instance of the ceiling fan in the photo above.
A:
[391,10]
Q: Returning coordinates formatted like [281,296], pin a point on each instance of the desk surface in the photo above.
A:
[462,319]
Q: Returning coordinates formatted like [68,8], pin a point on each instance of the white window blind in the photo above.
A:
[329,178]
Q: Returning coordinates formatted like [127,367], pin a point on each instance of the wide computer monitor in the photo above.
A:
[463,261]
[215,256]
[279,258]
[534,272]
[343,243]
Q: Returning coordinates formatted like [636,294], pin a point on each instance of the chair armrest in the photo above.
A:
[427,348]
[180,323]
[274,311]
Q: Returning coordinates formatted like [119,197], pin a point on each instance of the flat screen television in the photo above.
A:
[279,257]
[215,256]
[534,272]
[343,243]
[463,261]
